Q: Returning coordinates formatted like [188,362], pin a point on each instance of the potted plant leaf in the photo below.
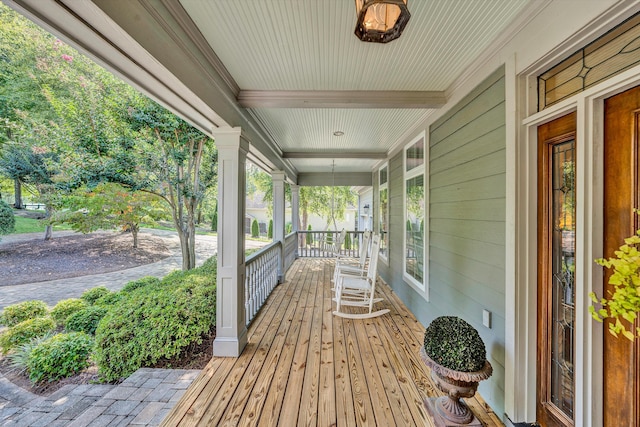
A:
[623,303]
[457,357]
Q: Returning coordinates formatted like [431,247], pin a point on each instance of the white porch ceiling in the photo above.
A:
[308,45]
[289,72]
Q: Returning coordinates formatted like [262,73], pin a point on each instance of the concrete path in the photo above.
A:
[143,399]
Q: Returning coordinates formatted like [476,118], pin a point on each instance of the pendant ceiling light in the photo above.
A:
[381,21]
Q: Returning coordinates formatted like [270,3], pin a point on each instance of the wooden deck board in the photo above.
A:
[303,366]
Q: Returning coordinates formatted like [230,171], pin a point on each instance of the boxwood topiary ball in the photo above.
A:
[454,344]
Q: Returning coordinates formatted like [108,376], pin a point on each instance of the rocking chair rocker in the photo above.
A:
[356,291]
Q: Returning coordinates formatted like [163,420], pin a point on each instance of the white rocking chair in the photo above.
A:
[354,266]
[356,291]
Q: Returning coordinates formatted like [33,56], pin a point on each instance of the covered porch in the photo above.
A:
[304,366]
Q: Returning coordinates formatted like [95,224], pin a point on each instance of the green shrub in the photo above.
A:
[59,357]
[109,300]
[255,229]
[16,313]
[309,238]
[140,283]
[19,357]
[25,331]
[90,296]
[454,344]
[157,321]
[347,241]
[7,220]
[270,229]
[66,308]
[86,320]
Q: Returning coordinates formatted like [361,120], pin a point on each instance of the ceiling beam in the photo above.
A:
[334,155]
[341,99]
[338,179]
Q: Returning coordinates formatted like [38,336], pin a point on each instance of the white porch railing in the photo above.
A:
[261,277]
[310,243]
[290,246]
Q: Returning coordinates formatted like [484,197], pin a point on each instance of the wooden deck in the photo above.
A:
[304,366]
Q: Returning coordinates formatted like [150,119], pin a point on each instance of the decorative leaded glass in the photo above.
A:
[612,53]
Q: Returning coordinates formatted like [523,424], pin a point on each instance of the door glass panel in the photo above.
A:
[561,381]
[414,258]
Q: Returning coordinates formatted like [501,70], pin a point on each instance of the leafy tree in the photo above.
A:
[214,219]
[109,206]
[172,153]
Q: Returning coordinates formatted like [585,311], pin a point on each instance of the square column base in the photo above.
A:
[230,347]
[440,421]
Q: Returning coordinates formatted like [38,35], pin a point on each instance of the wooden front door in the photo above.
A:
[556,272]
[621,194]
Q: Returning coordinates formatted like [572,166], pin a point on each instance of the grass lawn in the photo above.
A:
[29,225]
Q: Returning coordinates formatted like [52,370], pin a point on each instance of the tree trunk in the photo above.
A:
[17,191]
[134,232]
[48,231]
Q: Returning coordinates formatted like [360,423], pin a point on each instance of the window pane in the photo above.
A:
[563,277]
[383,226]
[415,155]
[414,238]
[383,176]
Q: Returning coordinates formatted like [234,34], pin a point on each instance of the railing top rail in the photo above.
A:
[251,258]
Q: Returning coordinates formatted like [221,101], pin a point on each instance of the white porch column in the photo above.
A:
[231,331]
[295,212]
[278,178]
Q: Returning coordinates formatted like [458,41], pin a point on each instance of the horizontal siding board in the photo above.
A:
[474,210]
[477,111]
[489,142]
[471,249]
[490,164]
[491,276]
[486,231]
[491,80]
[488,298]
[487,187]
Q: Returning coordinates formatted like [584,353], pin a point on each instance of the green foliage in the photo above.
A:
[255,229]
[140,283]
[156,321]
[108,206]
[347,241]
[19,357]
[65,308]
[288,228]
[110,299]
[7,220]
[309,236]
[86,320]
[214,220]
[59,357]
[90,296]
[16,313]
[25,331]
[454,344]
[270,230]
[623,303]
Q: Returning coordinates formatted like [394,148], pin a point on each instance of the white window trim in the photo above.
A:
[421,288]
[384,258]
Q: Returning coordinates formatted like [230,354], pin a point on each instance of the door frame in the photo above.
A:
[589,106]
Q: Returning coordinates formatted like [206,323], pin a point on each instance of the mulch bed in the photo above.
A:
[76,255]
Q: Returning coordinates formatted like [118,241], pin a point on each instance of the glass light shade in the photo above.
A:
[381,20]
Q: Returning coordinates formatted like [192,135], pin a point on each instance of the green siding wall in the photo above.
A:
[466,224]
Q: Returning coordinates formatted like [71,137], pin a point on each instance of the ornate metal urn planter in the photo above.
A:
[461,364]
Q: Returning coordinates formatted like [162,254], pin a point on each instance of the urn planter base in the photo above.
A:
[440,419]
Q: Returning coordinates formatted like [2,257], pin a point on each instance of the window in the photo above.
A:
[383,210]
[414,213]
